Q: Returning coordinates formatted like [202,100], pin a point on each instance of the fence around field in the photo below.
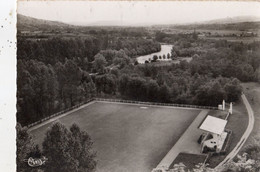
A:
[119,101]
[157,104]
[59,113]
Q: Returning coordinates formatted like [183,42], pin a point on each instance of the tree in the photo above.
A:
[247,161]
[72,90]
[164,93]
[243,164]
[89,89]
[152,90]
[164,57]
[168,56]
[201,167]
[106,83]
[123,80]
[210,94]
[216,93]
[233,90]
[56,149]
[155,58]
[121,62]
[136,88]
[115,71]
[82,144]
[37,85]
[25,147]
[99,63]
[159,36]
[173,52]
[202,97]
[68,150]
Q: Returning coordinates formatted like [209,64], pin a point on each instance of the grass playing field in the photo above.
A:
[128,137]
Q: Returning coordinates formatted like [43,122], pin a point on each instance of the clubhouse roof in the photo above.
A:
[213,125]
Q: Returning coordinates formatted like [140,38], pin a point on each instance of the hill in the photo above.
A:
[240,26]
[238,19]
[25,23]
[240,23]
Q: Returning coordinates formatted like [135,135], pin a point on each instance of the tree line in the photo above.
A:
[59,73]
[56,74]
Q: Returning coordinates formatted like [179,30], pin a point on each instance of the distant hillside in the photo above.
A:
[100,23]
[240,26]
[228,20]
[25,23]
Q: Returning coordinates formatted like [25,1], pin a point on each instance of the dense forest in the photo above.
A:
[59,72]
[55,73]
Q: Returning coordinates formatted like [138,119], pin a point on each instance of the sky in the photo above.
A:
[140,12]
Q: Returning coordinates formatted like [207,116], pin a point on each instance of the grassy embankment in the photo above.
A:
[252,92]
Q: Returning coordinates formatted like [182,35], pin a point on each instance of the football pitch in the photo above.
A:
[128,137]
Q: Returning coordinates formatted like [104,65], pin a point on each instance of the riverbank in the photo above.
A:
[165,50]
[170,62]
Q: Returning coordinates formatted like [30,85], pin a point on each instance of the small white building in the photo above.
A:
[214,139]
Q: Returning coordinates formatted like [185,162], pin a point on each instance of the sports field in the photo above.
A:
[128,137]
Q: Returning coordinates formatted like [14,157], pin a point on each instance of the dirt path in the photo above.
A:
[245,136]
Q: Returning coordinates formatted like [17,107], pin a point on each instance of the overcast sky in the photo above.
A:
[129,12]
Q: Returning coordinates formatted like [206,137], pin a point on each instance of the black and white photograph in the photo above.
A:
[137,86]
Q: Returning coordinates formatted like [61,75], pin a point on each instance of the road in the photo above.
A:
[251,121]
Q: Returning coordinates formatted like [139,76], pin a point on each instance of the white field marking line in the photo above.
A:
[143,107]
[245,136]
[136,104]
[59,116]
